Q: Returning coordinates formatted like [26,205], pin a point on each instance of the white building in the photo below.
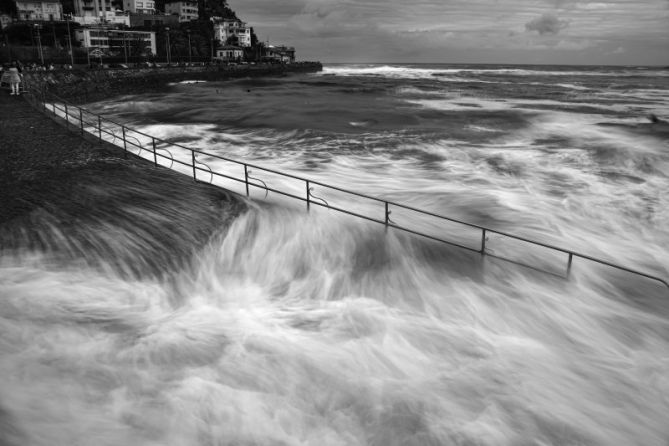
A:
[93,12]
[114,40]
[39,10]
[140,6]
[229,53]
[185,9]
[5,20]
[282,53]
[116,17]
[226,28]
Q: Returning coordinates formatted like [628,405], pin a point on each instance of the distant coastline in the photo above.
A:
[81,86]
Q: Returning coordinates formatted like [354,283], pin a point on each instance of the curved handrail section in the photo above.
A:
[309,197]
[211,172]
[310,192]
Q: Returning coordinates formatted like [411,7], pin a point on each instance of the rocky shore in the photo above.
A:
[81,86]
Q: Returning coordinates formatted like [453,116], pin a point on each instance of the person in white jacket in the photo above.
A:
[14,78]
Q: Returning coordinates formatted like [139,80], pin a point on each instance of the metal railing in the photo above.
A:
[74,115]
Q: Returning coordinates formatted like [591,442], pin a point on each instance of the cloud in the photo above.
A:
[546,24]
[464,30]
[332,20]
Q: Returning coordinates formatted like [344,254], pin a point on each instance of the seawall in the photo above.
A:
[70,197]
[81,86]
[56,184]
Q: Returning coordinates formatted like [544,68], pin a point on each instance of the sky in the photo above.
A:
[609,32]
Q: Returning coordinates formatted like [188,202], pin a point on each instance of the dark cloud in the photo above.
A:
[546,24]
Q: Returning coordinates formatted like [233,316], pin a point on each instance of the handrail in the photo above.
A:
[310,197]
[264,185]
[211,172]
[138,145]
[311,194]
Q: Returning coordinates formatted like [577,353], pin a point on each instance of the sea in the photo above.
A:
[300,324]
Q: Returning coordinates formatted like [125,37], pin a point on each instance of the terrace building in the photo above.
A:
[225,29]
[186,10]
[116,41]
[140,6]
[281,53]
[92,12]
[39,10]
[149,20]
[5,20]
[230,53]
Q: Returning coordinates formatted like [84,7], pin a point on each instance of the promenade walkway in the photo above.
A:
[52,177]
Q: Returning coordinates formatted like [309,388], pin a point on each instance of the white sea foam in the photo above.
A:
[186,82]
[300,349]
[397,71]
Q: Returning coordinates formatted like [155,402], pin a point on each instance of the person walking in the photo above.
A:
[14,78]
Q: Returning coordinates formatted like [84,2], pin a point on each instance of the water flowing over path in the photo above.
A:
[284,327]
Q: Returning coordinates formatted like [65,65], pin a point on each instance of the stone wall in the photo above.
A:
[81,86]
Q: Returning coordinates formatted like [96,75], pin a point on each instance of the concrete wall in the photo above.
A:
[81,86]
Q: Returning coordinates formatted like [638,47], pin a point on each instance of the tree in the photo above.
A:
[232,40]
[68,6]
[215,8]
[254,38]
[8,7]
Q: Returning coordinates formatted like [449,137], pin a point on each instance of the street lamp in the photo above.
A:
[9,48]
[190,55]
[169,58]
[39,42]
[69,39]
[125,49]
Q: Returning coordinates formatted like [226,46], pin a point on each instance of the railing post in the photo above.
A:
[100,127]
[155,156]
[387,214]
[192,152]
[67,117]
[482,241]
[125,145]
[308,194]
[81,120]
[571,256]
[246,179]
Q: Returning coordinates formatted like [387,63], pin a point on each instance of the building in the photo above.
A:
[149,20]
[111,17]
[5,20]
[116,41]
[139,6]
[88,9]
[186,10]
[39,10]
[226,28]
[230,53]
[94,12]
[282,53]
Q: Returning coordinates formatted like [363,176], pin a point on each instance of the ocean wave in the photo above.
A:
[411,72]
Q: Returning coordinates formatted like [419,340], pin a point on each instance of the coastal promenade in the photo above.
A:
[55,179]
